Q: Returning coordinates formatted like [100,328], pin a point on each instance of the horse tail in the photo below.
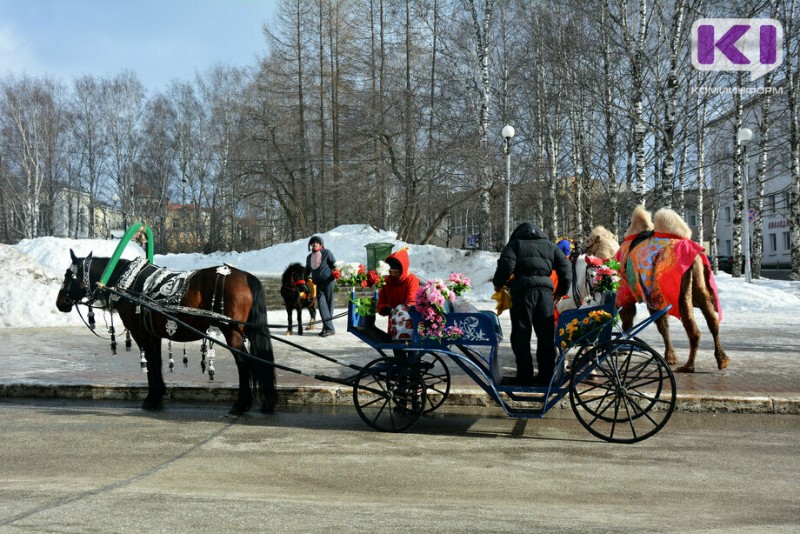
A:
[257,331]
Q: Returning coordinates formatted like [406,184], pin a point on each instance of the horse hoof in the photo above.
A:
[288,332]
[723,363]
[152,406]
[238,410]
[685,369]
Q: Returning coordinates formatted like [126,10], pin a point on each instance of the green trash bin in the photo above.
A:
[377,252]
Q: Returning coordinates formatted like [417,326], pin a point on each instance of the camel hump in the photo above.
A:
[668,221]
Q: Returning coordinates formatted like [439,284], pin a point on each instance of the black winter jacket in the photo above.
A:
[531,257]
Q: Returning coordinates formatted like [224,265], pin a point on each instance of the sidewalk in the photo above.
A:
[763,376]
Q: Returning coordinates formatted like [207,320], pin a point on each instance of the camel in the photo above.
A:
[643,259]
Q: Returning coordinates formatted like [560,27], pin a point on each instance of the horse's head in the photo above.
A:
[293,275]
[76,286]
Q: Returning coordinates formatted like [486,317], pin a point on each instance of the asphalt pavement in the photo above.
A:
[71,362]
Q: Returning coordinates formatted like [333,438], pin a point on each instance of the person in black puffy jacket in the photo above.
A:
[530,257]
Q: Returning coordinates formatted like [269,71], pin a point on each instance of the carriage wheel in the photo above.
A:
[436,377]
[389,395]
[622,391]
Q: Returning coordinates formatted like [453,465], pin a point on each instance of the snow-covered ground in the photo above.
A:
[32,271]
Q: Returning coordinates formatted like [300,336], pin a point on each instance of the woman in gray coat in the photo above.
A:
[319,264]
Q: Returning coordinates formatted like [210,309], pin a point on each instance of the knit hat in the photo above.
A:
[315,239]
[565,246]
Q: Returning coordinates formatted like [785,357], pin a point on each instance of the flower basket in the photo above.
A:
[583,327]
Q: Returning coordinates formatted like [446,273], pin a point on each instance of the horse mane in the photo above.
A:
[669,222]
[641,221]
[291,269]
[601,243]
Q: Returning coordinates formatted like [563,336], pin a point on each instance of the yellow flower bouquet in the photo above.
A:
[583,330]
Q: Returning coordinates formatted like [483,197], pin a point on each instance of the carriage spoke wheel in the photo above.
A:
[389,395]
[436,377]
[622,391]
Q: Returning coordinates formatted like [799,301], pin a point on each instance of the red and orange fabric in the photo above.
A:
[652,271]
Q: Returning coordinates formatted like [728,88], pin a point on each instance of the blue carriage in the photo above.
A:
[620,389]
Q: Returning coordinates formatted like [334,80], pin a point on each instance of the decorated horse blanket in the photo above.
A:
[651,271]
[156,283]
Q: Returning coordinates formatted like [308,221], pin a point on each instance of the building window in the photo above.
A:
[728,248]
[691,218]
[773,243]
[770,207]
[786,240]
[786,200]
[728,214]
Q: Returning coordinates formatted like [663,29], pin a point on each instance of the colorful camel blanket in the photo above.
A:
[652,271]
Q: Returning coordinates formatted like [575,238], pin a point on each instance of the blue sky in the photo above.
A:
[159,40]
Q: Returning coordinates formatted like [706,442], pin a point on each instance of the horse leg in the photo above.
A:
[155,379]
[244,398]
[299,309]
[690,325]
[288,320]
[312,311]
[662,324]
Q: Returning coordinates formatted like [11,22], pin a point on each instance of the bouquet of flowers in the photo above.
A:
[458,284]
[605,276]
[354,274]
[431,299]
[578,328]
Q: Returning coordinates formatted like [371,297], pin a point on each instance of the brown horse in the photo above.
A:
[297,295]
[222,297]
[639,256]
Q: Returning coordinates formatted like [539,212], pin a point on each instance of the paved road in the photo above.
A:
[80,466]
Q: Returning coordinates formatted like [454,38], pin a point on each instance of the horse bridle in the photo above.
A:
[84,294]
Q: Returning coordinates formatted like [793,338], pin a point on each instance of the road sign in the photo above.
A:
[751,214]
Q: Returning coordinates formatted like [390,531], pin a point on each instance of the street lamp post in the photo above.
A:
[744,135]
[508,133]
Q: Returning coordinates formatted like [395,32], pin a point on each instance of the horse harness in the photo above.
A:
[162,287]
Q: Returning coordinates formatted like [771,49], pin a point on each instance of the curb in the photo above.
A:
[339,395]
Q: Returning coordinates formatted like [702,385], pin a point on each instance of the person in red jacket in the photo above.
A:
[400,285]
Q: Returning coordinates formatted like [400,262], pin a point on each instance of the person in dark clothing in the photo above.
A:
[319,264]
[530,257]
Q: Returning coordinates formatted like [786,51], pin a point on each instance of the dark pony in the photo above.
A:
[296,295]
[222,297]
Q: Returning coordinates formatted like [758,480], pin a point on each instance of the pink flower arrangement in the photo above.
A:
[605,276]
[431,299]
[459,284]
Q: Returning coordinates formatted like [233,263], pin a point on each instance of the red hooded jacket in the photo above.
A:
[400,291]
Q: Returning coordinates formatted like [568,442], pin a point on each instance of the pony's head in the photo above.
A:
[640,221]
[601,243]
[669,222]
[76,283]
[292,273]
